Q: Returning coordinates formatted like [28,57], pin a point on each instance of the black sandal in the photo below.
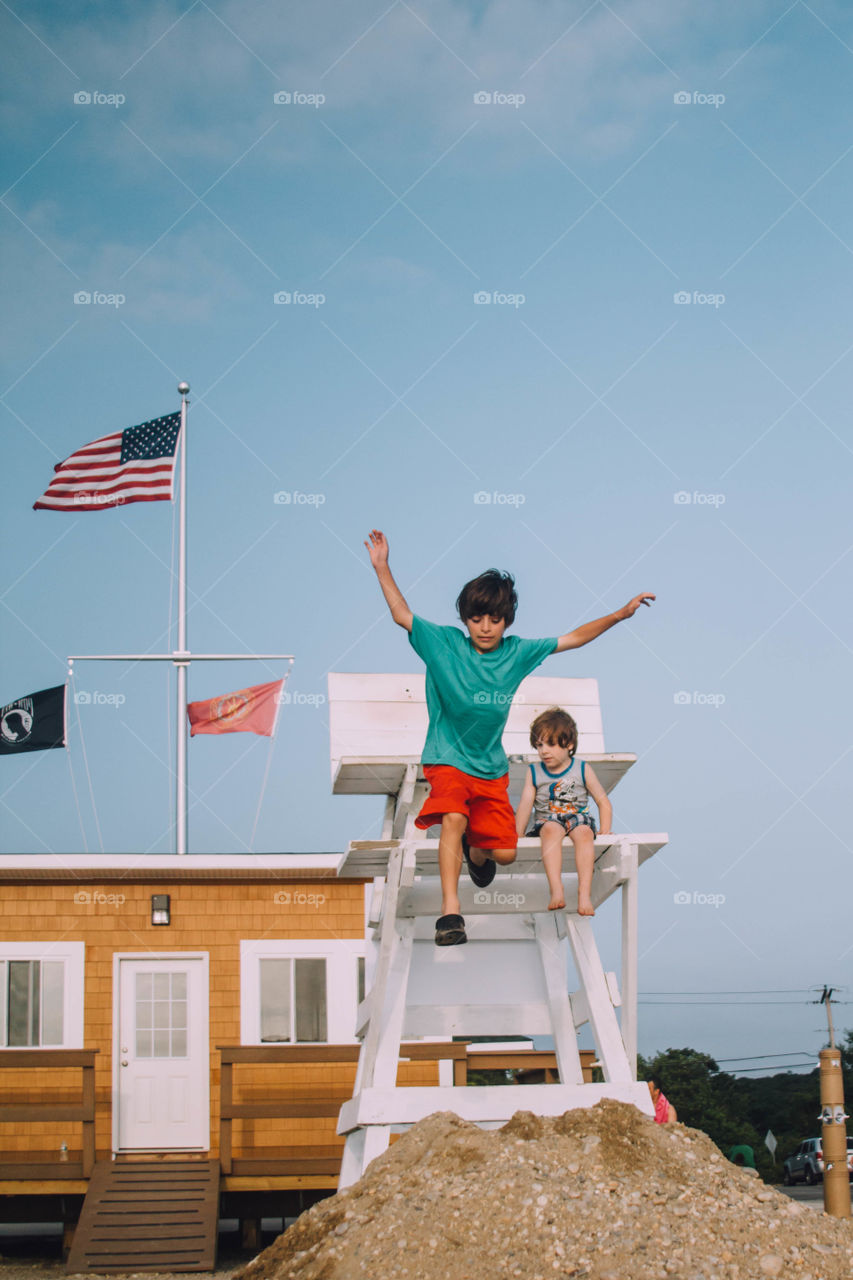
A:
[450,931]
[482,876]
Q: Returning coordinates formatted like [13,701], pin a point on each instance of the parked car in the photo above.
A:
[807,1162]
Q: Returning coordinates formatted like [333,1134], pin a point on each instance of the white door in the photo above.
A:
[162,1054]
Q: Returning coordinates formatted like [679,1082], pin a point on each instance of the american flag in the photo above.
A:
[136,465]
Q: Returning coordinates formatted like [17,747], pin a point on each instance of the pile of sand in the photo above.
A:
[601,1192]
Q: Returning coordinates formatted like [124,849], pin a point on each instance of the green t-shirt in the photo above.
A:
[468,694]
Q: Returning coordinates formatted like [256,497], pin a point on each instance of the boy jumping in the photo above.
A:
[470,683]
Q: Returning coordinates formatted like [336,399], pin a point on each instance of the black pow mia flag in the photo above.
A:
[33,723]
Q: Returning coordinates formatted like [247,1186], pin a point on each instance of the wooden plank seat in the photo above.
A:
[369,858]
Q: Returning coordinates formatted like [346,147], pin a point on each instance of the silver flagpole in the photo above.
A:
[181,726]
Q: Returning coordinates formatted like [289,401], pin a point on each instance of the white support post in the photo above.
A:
[380,1050]
[602,1015]
[352,1161]
[552,954]
[630,865]
[378,991]
[390,1014]
[404,801]
[388,818]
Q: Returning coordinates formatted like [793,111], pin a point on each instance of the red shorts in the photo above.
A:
[491,821]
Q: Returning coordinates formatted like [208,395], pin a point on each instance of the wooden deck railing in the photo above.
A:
[315,1161]
[29,1165]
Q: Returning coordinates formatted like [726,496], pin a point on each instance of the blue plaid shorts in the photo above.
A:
[568,821]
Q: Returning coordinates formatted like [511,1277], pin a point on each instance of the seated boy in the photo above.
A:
[470,683]
[557,791]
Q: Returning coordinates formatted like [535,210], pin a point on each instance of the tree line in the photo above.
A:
[734,1110]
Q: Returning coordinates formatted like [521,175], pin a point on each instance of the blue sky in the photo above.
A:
[655,200]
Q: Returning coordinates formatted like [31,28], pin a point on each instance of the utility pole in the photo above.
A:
[836,1183]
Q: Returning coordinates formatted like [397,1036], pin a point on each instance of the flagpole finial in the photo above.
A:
[183,388]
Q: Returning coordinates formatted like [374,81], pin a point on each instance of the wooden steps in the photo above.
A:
[148,1215]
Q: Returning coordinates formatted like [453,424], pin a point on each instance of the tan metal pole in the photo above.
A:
[836,1183]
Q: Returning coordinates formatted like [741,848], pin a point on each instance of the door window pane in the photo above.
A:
[161,1015]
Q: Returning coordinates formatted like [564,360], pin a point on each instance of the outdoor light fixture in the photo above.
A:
[160,908]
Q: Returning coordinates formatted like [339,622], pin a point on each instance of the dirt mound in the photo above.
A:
[601,1192]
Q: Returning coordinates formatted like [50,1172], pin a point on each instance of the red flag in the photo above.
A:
[251,710]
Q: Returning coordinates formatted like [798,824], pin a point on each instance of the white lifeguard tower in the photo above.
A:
[512,976]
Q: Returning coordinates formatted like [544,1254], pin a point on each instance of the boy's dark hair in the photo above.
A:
[655,1079]
[491,593]
[557,726]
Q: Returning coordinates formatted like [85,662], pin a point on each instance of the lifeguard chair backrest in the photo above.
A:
[385,716]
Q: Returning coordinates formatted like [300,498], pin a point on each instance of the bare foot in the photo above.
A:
[558,901]
[585,907]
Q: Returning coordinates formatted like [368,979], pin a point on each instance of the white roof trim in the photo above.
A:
[154,862]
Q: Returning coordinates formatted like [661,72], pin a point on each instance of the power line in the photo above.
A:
[795,1053]
[781,991]
[720,1004]
[715,997]
[790,1066]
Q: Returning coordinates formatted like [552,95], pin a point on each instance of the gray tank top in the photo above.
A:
[560,794]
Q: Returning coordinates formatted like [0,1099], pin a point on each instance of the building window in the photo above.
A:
[299,992]
[41,995]
[293,1000]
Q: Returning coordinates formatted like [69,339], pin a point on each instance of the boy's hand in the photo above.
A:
[377,548]
[645,597]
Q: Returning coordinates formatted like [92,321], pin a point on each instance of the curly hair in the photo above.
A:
[557,726]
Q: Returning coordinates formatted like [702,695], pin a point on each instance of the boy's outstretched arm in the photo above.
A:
[378,549]
[591,630]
